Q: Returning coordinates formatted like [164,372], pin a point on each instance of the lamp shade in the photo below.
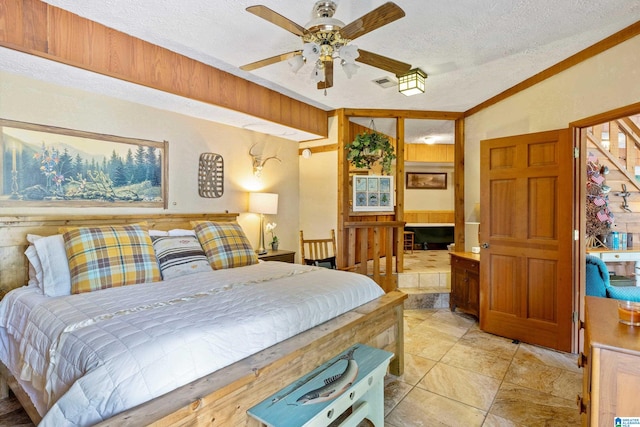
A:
[412,83]
[263,203]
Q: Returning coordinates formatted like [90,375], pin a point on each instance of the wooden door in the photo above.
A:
[526,225]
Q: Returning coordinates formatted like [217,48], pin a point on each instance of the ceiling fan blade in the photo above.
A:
[269,61]
[383,15]
[396,67]
[275,18]
[328,76]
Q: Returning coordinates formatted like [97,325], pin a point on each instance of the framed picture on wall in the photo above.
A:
[427,180]
[372,193]
[49,166]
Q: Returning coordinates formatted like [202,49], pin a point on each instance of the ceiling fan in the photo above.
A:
[326,39]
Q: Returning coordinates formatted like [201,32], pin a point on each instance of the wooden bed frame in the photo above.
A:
[223,397]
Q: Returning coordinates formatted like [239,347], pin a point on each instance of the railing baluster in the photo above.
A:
[358,233]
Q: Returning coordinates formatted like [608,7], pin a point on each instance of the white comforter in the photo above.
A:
[93,355]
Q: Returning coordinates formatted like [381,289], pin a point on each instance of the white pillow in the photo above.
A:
[56,278]
[158,233]
[35,266]
[31,238]
[181,232]
[180,255]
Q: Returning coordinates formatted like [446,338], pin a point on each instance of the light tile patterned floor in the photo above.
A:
[427,261]
[457,375]
[426,271]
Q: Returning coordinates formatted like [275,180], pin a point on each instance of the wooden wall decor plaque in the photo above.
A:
[211,175]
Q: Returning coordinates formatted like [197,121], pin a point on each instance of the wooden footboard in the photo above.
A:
[223,397]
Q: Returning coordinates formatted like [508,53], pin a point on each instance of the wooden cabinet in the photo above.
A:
[611,362]
[465,282]
[279,255]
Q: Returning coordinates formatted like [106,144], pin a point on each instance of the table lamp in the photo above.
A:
[263,203]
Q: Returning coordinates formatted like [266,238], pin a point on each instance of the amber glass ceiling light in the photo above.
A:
[412,83]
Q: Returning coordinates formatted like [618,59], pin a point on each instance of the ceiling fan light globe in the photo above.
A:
[311,51]
[318,74]
[349,69]
[296,62]
[349,53]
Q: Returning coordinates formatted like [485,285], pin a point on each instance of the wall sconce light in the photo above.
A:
[263,203]
[412,83]
[259,161]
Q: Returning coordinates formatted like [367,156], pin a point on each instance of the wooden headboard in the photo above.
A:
[14,267]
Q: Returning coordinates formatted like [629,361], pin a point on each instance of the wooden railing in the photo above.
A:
[373,241]
[624,160]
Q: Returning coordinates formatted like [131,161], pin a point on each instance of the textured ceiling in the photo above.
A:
[471,49]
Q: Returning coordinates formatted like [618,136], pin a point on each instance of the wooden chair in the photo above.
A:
[408,241]
[319,252]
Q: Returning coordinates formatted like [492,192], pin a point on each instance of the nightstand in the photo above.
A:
[279,255]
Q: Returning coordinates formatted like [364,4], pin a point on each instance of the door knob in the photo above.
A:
[484,245]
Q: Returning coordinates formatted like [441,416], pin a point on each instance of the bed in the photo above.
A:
[216,392]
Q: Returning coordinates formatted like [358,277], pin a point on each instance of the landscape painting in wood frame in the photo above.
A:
[427,180]
[52,166]
[373,193]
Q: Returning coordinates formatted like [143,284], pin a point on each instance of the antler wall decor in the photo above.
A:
[259,161]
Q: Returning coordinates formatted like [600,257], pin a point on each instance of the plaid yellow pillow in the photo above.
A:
[225,244]
[109,256]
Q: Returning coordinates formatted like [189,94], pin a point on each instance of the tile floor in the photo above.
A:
[429,271]
[457,375]
[426,279]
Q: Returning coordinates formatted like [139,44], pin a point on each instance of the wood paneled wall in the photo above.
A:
[36,28]
[429,217]
[437,153]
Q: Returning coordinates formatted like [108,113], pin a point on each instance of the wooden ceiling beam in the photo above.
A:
[36,28]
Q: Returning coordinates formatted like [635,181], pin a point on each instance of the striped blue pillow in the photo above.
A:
[179,255]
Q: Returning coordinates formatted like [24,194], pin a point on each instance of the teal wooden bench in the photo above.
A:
[353,379]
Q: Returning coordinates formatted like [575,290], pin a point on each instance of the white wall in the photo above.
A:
[33,101]
[605,82]
[319,188]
